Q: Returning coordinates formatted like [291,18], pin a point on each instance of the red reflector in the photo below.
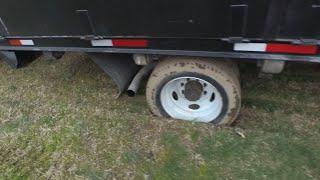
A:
[294,49]
[15,42]
[129,43]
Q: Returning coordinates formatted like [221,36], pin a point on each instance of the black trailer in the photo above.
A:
[188,46]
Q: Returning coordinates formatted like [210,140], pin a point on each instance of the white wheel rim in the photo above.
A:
[206,108]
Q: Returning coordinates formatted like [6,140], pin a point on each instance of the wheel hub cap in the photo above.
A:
[193,90]
[192,99]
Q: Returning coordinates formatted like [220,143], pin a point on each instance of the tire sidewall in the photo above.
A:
[217,85]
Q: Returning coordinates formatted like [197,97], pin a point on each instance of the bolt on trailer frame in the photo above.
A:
[270,30]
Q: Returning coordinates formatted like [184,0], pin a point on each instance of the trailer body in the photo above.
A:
[206,28]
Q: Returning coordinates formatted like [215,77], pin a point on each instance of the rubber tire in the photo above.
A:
[223,72]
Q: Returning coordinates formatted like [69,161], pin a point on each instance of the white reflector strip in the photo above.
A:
[256,47]
[27,42]
[102,43]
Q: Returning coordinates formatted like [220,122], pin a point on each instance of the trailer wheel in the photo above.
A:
[195,89]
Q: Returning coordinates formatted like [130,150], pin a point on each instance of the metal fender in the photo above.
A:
[120,67]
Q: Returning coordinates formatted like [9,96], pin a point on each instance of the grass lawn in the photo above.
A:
[59,119]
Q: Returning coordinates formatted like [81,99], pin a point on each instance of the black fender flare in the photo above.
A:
[120,67]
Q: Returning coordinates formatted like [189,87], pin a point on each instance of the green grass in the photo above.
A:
[59,120]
